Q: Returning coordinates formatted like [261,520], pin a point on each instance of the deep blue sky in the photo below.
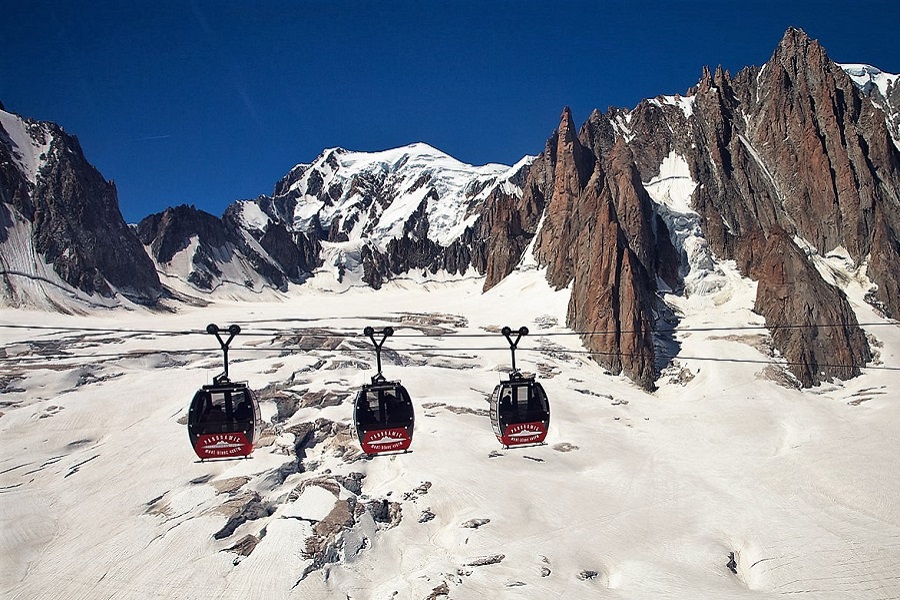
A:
[205,102]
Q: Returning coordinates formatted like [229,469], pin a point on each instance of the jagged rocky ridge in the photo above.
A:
[767,168]
[70,216]
[226,250]
[788,156]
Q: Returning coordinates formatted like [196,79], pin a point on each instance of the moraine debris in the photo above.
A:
[475,523]
[352,482]
[486,560]
[565,447]
[426,516]
[442,590]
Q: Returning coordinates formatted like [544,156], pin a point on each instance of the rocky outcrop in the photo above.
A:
[225,251]
[793,150]
[883,260]
[15,189]
[74,214]
[172,231]
[415,251]
[507,227]
[841,171]
[851,166]
[790,151]
[811,322]
[572,165]
[794,147]
[282,256]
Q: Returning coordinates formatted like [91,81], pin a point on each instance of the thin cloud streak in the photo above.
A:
[152,137]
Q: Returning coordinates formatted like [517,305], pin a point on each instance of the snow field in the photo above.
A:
[635,495]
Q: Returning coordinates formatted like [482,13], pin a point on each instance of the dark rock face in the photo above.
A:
[414,250]
[506,227]
[572,166]
[795,151]
[287,257]
[600,234]
[170,232]
[843,169]
[220,241]
[811,321]
[792,147]
[77,226]
[884,258]
[15,189]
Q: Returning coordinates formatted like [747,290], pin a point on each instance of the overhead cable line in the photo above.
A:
[72,329]
[273,332]
[31,359]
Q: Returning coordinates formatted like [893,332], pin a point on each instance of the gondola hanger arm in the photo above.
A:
[385,334]
[232,330]
[507,333]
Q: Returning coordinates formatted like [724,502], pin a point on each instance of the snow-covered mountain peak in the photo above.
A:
[374,196]
[416,158]
[882,89]
[374,215]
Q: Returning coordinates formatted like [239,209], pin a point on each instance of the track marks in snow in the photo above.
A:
[47,463]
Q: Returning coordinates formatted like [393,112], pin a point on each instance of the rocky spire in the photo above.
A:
[786,152]
[599,236]
[789,155]
[607,250]
[571,165]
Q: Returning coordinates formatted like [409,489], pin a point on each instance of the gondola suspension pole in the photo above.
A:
[233,330]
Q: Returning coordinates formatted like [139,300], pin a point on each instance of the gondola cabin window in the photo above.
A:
[215,411]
